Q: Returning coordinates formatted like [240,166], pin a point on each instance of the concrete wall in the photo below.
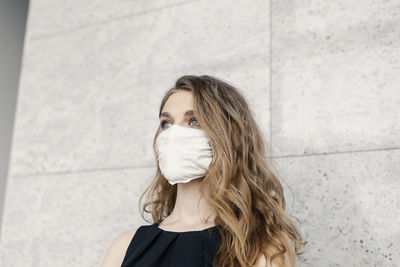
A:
[320,76]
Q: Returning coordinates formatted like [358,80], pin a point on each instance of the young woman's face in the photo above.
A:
[179,110]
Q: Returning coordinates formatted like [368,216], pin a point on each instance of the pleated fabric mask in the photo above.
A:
[184,153]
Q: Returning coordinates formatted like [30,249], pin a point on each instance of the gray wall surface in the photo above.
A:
[321,77]
[12,32]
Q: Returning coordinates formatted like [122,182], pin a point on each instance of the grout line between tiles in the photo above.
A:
[270,78]
[152,165]
[84,26]
[336,152]
[84,171]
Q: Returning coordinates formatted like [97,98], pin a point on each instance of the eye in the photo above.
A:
[162,123]
[194,119]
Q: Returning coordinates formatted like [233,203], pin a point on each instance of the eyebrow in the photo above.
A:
[187,113]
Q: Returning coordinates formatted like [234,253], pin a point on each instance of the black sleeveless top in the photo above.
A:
[153,247]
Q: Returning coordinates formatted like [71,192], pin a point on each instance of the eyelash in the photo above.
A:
[165,121]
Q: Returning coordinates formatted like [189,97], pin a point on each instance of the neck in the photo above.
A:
[190,207]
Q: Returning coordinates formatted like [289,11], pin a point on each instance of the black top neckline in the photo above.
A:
[185,232]
[153,246]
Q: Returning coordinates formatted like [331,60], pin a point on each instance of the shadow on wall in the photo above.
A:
[13,14]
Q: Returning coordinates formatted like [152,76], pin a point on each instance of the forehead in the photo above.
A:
[179,103]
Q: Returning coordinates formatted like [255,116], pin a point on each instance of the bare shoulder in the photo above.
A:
[285,260]
[116,252]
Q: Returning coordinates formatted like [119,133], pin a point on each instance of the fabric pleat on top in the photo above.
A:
[152,246]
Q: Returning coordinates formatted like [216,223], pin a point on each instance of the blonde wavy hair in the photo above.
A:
[246,194]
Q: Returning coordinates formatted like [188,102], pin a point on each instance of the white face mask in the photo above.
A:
[184,153]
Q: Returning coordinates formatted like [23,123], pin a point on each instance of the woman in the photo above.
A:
[214,200]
